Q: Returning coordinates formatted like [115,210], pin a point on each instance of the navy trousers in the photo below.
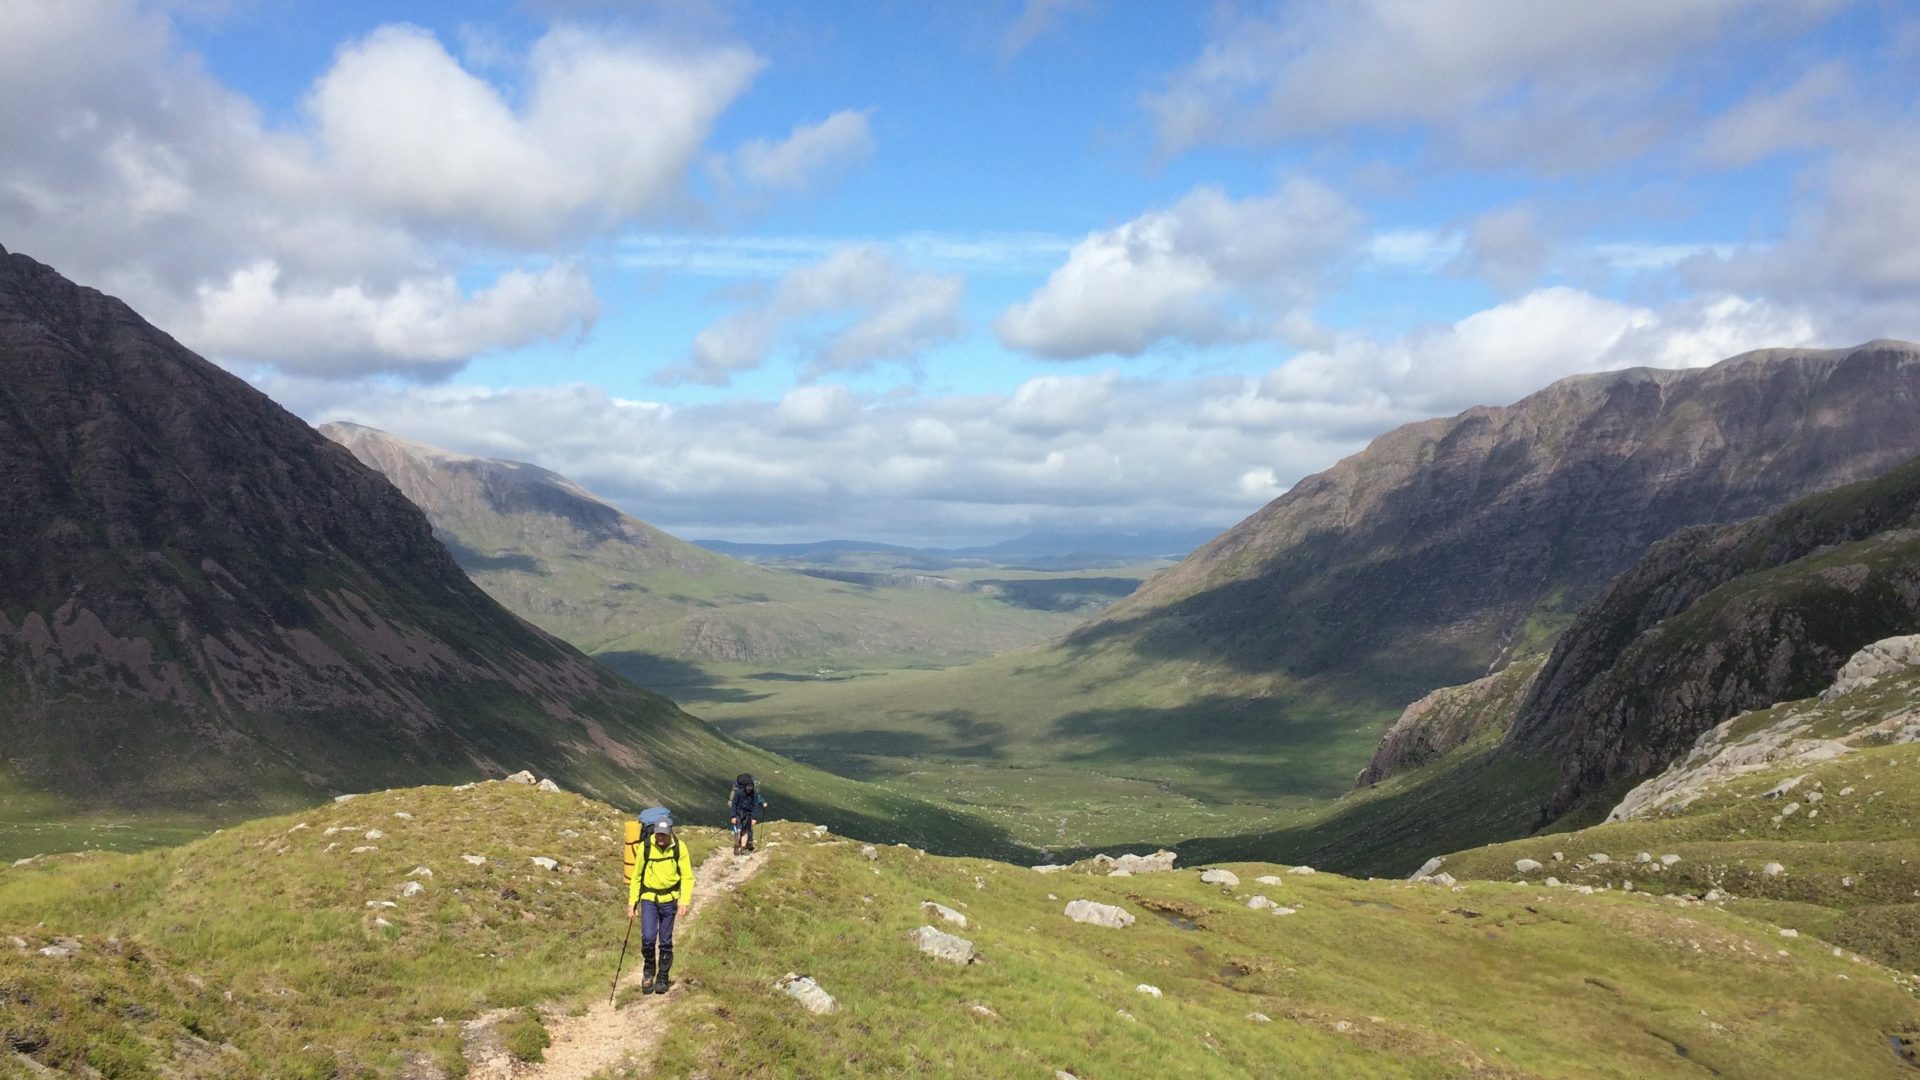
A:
[656,925]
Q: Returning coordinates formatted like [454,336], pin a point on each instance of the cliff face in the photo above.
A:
[1717,621]
[202,598]
[1450,718]
[1425,559]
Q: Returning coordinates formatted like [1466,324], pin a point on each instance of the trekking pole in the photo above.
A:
[614,991]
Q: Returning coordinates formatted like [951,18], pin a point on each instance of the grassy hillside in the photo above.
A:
[269,949]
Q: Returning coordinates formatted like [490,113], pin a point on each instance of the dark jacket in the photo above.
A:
[747,805]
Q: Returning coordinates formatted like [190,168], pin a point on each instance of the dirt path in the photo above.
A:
[604,1036]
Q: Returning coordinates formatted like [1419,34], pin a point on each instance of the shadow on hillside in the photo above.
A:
[474,562]
[680,680]
[965,736]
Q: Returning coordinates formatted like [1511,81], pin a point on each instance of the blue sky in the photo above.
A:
[944,273]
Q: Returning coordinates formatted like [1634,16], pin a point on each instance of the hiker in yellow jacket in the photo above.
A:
[660,891]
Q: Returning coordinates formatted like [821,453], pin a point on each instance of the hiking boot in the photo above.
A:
[646,979]
[660,985]
[749,845]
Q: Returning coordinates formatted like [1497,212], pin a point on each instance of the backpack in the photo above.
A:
[646,857]
[636,834]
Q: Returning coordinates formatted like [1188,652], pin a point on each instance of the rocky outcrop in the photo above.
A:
[1875,701]
[1718,621]
[1420,561]
[1449,718]
[203,599]
[1097,914]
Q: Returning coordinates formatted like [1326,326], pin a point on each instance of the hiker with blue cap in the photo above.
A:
[660,890]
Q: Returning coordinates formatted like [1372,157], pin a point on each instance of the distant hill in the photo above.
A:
[1041,550]
[657,608]
[207,606]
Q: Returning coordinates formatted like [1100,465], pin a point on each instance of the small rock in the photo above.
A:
[1599,858]
[1260,1018]
[1119,873]
[1643,857]
[979,882]
[1048,868]
[521,777]
[1713,896]
[345,798]
[1279,910]
[808,993]
[1125,1015]
[547,785]
[1789,933]
[1269,879]
[1150,991]
[382,923]
[1158,862]
[18,941]
[1552,882]
[869,852]
[1773,869]
[1343,1026]
[1303,870]
[944,912]
[382,904]
[421,872]
[942,945]
[1846,883]
[1097,914]
[57,952]
[1525,866]
[477,860]
[361,849]
[1062,1074]
[1220,877]
[412,888]
[545,863]
[1444,879]
[1260,903]
[978,1009]
[1559,856]
[375,834]
[1784,786]
[403,815]
[1669,860]
[1790,809]
[1427,868]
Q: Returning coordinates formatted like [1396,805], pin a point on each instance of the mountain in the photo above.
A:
[658,608]
[205,605]
[1041,550]
[1263,668]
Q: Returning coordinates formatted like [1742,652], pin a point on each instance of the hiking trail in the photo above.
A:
[605,1036]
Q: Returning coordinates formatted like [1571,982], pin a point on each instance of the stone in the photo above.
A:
[1790,809]
[546,785]
[381,922]
[1260,903]
[1220,877]
[345,798]
[1669,860]
[1428,868]
[1260,1018]
[1303,870]
[57,952]
[1559,856]
[1773,869]
[1888,656]
[412,888]
[545,863]
[1713,896]
[978,1009]
[363,848]
[1599,858]
[476,860]
[943,946]
[420,871]
[869,852]
[382,904]
[1783,787]
[1048,868]
[521,777]
[403,815]
[1098,914]
[1525,866]
[944,912]
[1269,879]
[808,993]
[1643,857]
[1148,989]
[375,834]
[1158,862]
[1444,879]
[1279,910]
[1552,882]
[1789,933]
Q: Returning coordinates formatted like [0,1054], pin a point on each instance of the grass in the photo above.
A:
[1370,978]
[255,952]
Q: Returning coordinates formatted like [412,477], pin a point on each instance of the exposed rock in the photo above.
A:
[1789,932]
[1526,866]
[420,872]
[1302,870]
[1119,873]
[942,945]
[944,912]
[547,785]
[1773,869]
[1283,910]
[1098,914]
[1220,877]
[58,952]
[1552,882]
[375,834]
[545,863]
[808,993]
[869,852]
[412,888]
[1048,868]
[1260,903]
[1147,989]
[1447,719]
[476,860]
[1260,1018]
[1868,666]
[521,777]
[1669,860]
[1157,862]
[345,798]
[1443,879]
[1270,879]
[362,849]
[1426,868]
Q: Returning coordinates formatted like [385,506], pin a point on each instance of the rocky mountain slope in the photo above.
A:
[206,604]
[1427,558]
[643,601]
[443,947]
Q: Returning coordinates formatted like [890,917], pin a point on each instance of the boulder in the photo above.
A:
[808,993]
[1048,868]
[1303,870]
[545,863]
[869,852]
[1443,879]
[1889,656]
[1097,914]
[1260,903]
[412,888]
[547,785]
[420,872]
[1260,1018]
[1427,868]
[1526,866]
[944,912]
[1599,858]
[1148,989]
[375,834]
[1220,877]
[521,777]
[1773,869]
[1669,860]
[1269,879]
[1158,862]
[942,945]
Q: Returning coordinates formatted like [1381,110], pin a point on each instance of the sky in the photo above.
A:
[947,273]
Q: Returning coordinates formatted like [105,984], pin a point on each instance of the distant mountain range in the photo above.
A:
[656,608]
[1048,550]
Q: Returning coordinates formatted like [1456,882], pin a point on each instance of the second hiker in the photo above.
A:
[661,890]
[745,806]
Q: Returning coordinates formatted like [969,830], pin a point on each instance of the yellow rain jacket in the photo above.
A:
[661,874]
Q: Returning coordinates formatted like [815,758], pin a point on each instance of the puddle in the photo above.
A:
[1179,922]
[1906,1048]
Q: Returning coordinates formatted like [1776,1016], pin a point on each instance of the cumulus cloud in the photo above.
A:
[1501,79]
[811,152]
[140,173]
[854,309]
[1506,248]
[1201,271]
[1815,110]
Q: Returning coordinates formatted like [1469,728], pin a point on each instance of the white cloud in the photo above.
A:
[1036,18]
[1815,110]
[1558,84]
[1505,246]
[1186,273]
[856,308]
[809,153]
[138,172]
[816,408]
